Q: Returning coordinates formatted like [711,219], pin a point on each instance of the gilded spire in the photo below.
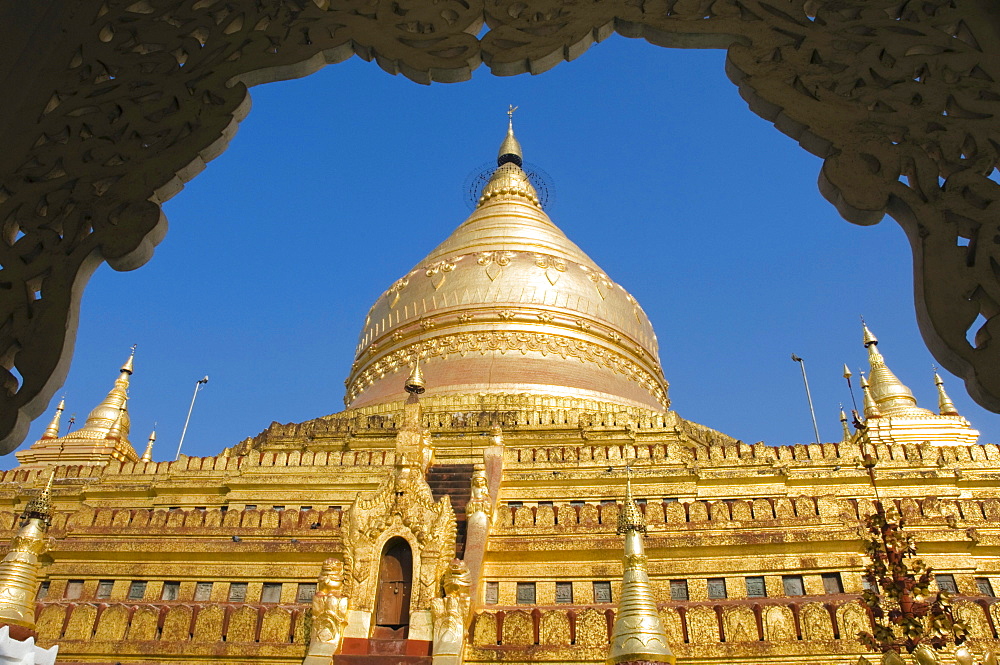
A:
[104,415]
[638,634]
[509,181]
[510,149]
[871,407]
[52,431]
[19,568]
[888,392]
[148,455]
[869,337]
[415,383]
[41,506]
[115,432]
[945,406]
[630,518]
[843,425]
[127,367]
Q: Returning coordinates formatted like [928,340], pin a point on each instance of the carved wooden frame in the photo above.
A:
[111,105]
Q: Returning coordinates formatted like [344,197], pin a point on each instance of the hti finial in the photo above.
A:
[52,431]
[945,406]
[630,518]
[843,426]
[40,507]
[128,366]
[510,149]
[869,337]
[147,456]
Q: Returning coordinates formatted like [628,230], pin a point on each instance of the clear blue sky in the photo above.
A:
[337,184]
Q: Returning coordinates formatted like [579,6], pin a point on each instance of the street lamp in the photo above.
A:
[812,411]
[199,384]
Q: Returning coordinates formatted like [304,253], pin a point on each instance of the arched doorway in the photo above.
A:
[395,580]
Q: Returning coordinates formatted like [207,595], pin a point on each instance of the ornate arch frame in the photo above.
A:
[110,106]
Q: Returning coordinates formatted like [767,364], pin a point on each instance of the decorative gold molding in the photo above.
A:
[125,101]
[542,344]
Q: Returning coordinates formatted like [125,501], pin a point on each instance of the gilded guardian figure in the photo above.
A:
[451,612]
[329,610]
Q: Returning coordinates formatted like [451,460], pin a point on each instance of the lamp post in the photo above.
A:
[199,384]
[805,380]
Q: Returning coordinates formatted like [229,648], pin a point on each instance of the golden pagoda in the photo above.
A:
[892,414]
[20,567]
[637,635]
[104,437]
[463,507]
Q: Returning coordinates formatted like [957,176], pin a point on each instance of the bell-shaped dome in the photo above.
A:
[508,304]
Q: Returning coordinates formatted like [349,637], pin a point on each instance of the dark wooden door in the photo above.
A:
[395,579]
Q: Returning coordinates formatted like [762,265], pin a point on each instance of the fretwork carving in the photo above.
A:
[127,100]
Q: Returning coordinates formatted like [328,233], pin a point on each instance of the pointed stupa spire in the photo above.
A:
[868,336]
[52,431]
[115,433]
[128,366]
[147,456]
[510,149]
[630,518]
[843,425]
[19,568]
[945,406]
[104,415]
[888,392]
[638,634]
[871,407]
[41,506]
[509,181]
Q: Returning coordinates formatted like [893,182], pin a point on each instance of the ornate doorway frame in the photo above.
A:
[112,105]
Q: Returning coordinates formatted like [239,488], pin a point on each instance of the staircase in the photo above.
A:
[384,652]
[454,480]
